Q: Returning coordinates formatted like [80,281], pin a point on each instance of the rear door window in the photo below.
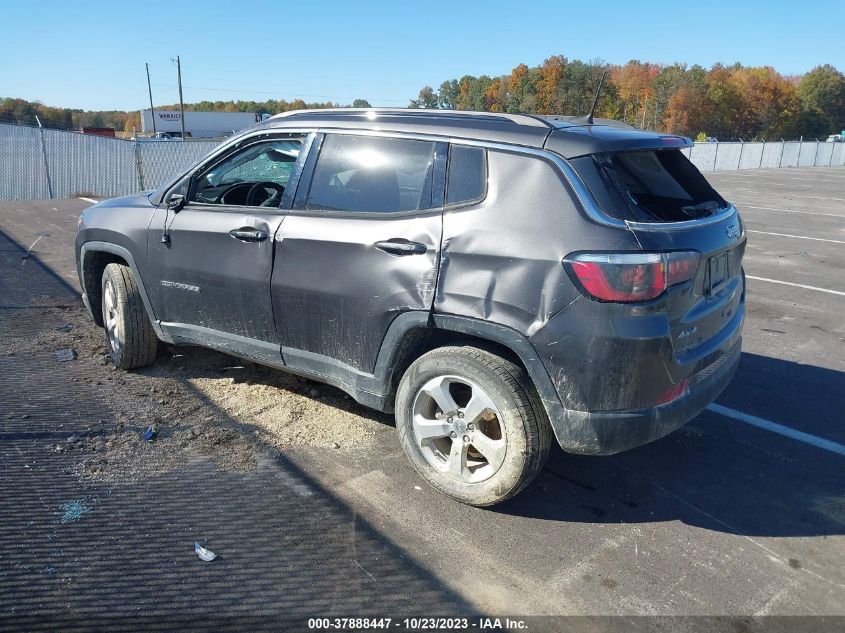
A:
[372,174]
[648,186]
[467,174]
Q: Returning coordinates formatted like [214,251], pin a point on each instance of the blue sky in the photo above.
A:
[91,54]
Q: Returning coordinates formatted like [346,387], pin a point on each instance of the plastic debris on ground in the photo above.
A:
[67,327]
[151,433]
[64,355]
[204,554]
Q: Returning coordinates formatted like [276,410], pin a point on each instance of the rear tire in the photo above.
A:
[471,424]
[130,337]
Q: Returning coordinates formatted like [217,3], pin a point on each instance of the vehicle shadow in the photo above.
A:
[717,472]
[117,548]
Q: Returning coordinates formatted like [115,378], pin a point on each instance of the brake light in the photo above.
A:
[628,277]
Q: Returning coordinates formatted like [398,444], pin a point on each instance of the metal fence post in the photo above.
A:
[739,160]
[44,154]
[782,146]
[816,157]
[832,149]
[139,165]
[762,151]
[716,156]
[800,144]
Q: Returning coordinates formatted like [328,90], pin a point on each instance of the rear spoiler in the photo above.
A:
[575,141]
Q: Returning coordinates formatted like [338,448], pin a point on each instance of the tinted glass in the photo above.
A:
[467,178]
[366,173]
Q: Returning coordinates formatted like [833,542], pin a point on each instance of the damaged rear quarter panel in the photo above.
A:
[501,258]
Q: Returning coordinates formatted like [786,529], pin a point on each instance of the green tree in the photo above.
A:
[361,103]
[448,94]
[822,95]
[426,99]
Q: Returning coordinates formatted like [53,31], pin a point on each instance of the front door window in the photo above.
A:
[254,176]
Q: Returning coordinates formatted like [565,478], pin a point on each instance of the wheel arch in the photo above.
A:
[412,334]
[94,257]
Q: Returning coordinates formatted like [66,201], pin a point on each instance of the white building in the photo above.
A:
[198,124]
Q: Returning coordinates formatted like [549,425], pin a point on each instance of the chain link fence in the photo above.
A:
[41,163]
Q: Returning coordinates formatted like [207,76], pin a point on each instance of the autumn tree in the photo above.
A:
[549,94]
[496,95]
[769,107]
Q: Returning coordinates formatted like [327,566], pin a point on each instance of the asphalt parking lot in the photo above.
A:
[741,512]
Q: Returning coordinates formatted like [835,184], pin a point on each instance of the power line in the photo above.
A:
[276,93]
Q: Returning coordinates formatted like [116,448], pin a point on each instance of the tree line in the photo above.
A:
[22,112]
[726,102]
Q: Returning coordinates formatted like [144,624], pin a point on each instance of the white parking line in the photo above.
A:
[91,200]
[779,194]
[753,420]
[789,283]
[800,237]
[751,206]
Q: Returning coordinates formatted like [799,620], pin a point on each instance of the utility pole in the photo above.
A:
[150,90]
[181,103]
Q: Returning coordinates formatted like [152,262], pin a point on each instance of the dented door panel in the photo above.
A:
[335,292]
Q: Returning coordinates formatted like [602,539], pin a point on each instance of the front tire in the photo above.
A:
[130,337]
[471,424]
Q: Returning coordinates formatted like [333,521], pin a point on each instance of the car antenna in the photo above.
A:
[589,118]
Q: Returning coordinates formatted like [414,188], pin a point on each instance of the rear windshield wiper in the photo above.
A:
[702,208]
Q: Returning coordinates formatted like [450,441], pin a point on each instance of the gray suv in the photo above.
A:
[495,280]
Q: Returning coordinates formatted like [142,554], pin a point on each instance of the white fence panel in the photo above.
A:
[771,154]
[808,154]
[703,155]
[824,154]
[790,155]
[727,156]
[751,156]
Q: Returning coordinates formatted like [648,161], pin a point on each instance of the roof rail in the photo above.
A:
[519,119]
[567,120]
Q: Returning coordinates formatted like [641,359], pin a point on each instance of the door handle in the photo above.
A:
[248,234]
[401,247]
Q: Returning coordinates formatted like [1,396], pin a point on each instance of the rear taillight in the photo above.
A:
[673,393]
[627,277]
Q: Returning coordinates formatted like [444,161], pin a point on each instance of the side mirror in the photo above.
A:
[176,202]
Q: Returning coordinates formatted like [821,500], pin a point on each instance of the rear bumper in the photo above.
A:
[606,433]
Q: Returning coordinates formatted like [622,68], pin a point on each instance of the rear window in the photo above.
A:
[648,186]
[467,179]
